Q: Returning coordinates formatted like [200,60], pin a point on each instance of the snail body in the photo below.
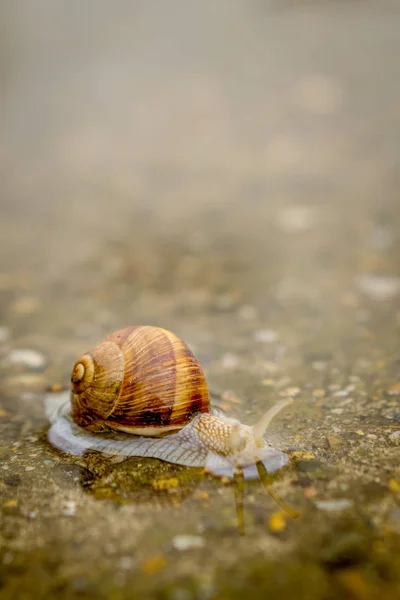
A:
[142,392]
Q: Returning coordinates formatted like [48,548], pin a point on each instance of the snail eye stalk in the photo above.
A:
[262,425]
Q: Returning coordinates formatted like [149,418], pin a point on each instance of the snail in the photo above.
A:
[142,392]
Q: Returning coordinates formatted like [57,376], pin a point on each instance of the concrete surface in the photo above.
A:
[230,171]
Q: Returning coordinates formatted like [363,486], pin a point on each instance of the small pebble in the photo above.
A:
[337,411]
[334,505]
[29,468]
[68,508]
[27,396]
[28,357]
[186,542]
[126,563]
[266,336]
[360,432]
[346,402]
[230,361]
[341,394]
[351,387]
[378,287]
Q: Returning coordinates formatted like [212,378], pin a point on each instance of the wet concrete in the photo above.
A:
[229,172]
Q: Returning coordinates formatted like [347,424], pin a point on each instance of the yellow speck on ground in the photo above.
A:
[394,485]
[319,393]
[303,455]
[160,485]
[3,413]
[360,432]
[10,503]
[154,564]
[56,387]
[277,522]
[268,382]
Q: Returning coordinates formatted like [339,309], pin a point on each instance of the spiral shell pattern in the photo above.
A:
[140,379]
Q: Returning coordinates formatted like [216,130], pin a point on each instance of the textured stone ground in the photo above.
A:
[229,171]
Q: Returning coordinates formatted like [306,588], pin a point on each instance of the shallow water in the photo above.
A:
[244,194]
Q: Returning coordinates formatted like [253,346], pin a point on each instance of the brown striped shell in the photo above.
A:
[141,380]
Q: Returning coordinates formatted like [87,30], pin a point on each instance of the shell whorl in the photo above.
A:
[96,382]
[140,380]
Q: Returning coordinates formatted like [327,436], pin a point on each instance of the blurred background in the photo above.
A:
[234,153]
[229,170]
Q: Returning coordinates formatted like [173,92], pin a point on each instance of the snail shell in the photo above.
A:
[141,380]
[142,392]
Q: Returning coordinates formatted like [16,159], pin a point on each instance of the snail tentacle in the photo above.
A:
[262,425]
